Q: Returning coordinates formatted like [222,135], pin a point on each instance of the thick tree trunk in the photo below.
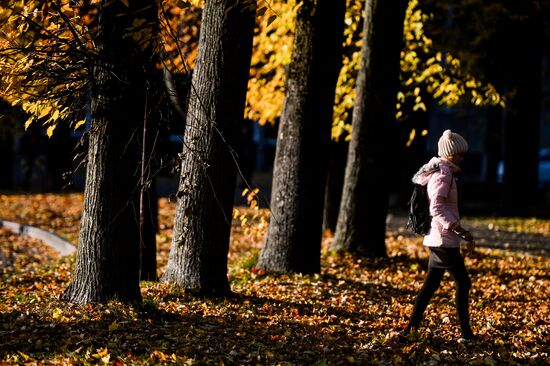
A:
[522,120]
[107,265]
[294,238]
[200,243]
[361,223]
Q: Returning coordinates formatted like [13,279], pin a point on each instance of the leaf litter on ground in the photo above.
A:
[350,313]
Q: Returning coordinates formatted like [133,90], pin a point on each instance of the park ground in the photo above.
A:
[350,313]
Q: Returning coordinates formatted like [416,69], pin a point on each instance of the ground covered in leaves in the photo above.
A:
[351,313]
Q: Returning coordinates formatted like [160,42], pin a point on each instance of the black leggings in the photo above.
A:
[431,284]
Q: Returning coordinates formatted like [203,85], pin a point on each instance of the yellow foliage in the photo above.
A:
[272,50]
[79,123]
[28,54]
[441,75]
[424,69]
[180,34]
[49,130]
[412,135]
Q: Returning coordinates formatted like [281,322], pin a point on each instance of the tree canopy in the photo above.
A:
[425,68]
[46,50]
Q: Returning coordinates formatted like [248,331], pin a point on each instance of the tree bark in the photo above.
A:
[361,223]
[294,237]
[200,243]
[107,265]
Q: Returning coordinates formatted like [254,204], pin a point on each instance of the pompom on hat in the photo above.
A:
[451,143]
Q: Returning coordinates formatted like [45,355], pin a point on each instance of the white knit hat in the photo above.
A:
[451,143]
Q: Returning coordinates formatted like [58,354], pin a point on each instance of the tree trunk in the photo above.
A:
[361,223]
[335,183]
[148,200]
[107,265]
[149,221]
[522,120]
[200,243]
[294,237]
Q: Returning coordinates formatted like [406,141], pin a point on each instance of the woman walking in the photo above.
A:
[445,233]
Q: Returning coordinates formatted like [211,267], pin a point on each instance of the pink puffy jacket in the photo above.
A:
[442,192]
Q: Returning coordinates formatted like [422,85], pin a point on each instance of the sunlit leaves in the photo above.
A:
[345,89]
[47,51]
[271,54]
[435,73]
[251,196]
[180,25]
[50,129]
[79,123]
[424,70]
[42,64]
[350,313]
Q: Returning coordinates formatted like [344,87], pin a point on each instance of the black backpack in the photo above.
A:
[419,210]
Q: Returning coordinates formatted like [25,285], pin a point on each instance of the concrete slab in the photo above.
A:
[56,242]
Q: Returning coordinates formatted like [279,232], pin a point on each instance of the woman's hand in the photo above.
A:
[463,233]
